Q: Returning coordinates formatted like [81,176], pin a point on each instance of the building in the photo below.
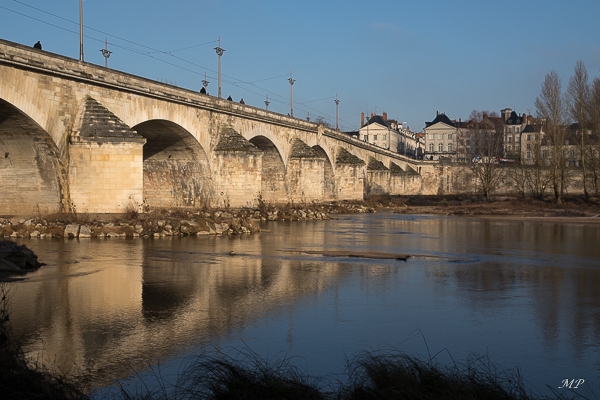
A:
[387,133]
[440,138]
[513,129]
[522,136]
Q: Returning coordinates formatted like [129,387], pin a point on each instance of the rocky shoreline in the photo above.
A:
[167,223]
[248,220]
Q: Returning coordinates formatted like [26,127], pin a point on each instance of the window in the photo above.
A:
[441,136]
[528,146]
[518,129]
[529,155]
[431,136]
[374,137]
[366,138]
[509,139]
[509,147]
[384,137]
[441,147]
[450,147]
[449,136]
[431,147]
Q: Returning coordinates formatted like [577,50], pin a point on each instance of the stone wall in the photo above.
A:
[106,177]
[239,177]
[177,184]
[31,175]
[305,177]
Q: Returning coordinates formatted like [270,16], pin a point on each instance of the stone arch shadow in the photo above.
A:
[329,186]
[176,168]
[273,182]
[32,176]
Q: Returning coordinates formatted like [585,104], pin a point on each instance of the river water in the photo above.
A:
[524,293]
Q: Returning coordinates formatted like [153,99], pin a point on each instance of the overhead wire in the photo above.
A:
[235,82]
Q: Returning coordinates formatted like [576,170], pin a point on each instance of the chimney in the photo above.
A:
[362,119]
[384,116]
[437,113]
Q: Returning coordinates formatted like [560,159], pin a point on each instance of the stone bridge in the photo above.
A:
[77,137]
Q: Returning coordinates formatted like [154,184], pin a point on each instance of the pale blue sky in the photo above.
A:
[408,58]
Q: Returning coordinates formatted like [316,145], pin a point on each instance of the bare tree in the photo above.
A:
[533,176]
[482,142]
[322,121]
[517,177]
[594,147]
[479,115]
[578,99]
[550,106]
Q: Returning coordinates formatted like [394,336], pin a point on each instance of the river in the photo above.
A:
[525,293]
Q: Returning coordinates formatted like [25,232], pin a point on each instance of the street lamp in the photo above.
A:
[219,51]
[105,53]
[80,30]
[337,103]
[291,81]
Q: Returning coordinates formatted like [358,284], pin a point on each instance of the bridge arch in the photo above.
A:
[273,184]
[329,187]
[32,176]
[176,167]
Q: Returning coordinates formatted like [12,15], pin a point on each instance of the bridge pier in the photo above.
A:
[305,173]
[238,170]
[407,182]
[378,178]
[349,176]
[106,166]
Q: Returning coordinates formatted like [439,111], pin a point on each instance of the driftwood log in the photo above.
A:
[358,254]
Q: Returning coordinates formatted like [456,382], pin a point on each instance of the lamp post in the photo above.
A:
[80,30]
[219,51]
[337,103]
[404,136]
[267,102]
[106,53]
[291,81]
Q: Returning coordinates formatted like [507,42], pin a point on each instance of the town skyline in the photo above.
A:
[409,60]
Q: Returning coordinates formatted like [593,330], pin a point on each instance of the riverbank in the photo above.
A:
[245,221]
[574,208]
[169,222]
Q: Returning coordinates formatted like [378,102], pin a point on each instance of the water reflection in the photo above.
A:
[525,292]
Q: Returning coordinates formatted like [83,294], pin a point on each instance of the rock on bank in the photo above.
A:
[166,223]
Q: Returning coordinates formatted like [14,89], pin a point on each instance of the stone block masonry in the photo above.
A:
[106,177]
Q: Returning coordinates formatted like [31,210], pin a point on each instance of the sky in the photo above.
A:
[410,59]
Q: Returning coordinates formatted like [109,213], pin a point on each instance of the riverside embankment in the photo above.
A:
[168,223]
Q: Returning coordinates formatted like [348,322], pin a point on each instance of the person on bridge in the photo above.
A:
[229,98]
[242,101]
[38,45]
